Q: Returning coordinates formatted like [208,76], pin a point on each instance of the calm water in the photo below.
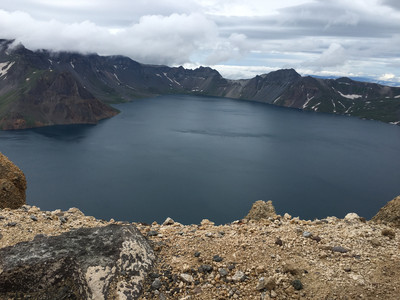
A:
[194,157]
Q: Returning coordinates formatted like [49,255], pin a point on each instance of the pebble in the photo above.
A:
[152,233]
[239,276]
[307,234]
[2,217]
[217,258]
[187,278]
[278,242]
[273,294]
[339,249]
[197,254]
[33,218]
[205,269]
[156,284]
[297,284]
[12,224]
[223,272]
[63,220]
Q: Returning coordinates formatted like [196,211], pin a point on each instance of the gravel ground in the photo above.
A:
[276,258]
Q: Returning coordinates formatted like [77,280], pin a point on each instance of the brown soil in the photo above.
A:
[331,258]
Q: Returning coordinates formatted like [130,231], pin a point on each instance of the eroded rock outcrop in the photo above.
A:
[12,184]
[108,262]
[390,213]
[261,210]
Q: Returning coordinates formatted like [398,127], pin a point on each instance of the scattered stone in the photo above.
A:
[347,269]
[12,224]
[2,218]
[205,269]
[239,276]
[231,267]
[261,210]
[389,233]
[209,234]
[156,284]
[217,258]
[307,234]
[187,278]
[223,272]
[273,294]
[168,221]
[152,233]
[12,184]
[197,254]
[297,284]
[62,219]
[339,249]
[33,218]
[316,238]
[278,241]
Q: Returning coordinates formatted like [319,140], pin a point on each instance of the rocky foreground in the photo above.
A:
[276,257]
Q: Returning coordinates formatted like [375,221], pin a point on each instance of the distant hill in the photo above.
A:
[44,88]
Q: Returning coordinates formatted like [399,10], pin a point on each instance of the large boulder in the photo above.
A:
[12,184]
[261,210]
[390,213]
[108,262]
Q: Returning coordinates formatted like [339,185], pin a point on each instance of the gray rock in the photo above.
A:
[12,224]
[33,218]
[197,254]
[205,269]
[217,258]
[63,220]
[297,285]
[156,284]
[152,233]
[223,272]
[339,249]
[307,234]
[87,263]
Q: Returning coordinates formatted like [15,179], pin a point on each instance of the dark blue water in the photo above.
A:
[195,157]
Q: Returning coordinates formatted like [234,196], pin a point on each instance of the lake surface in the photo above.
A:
[193,157]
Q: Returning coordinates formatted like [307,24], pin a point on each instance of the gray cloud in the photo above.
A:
[320,35]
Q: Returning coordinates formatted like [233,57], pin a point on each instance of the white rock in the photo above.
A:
[352,218]
[239,276]
[187,278]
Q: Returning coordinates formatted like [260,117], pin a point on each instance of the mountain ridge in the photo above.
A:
[42,88]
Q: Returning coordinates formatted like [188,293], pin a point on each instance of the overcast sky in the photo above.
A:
[239,38]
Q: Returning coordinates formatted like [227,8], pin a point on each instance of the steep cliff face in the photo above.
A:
[42,88]
[32,94]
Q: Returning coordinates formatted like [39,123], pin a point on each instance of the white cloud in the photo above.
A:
[334,56]
[358,36]
[387,77]
[154,39]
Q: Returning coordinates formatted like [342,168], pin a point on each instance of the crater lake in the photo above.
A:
[191,158]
